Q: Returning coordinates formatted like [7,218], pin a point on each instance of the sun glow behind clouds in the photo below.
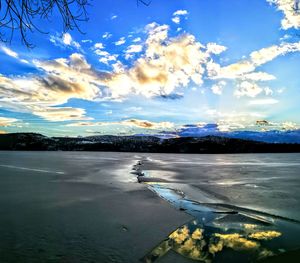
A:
[174,73]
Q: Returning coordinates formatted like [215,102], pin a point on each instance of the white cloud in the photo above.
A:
[121,41]
[134,109]
[157,72]
[233,117]
[225,126]
[65,40]
[268,101]
[138,39]
[215,48]
[168,63]
[86,41]
[68,40]
[57,114]
[134,49]
[246,88]
[108,58]
[280,90]
[290,126]
[268,91]
[147,124]
[105,57]
[5,122]
[107,35]
[118,67]
[265,55]
[109,112]
[178,14]
[62,79]
[10,52]
[176,19]
[85,123]
[100,52]
[13,54]
[235,70]
[242,68]
[285,37]
[258,76]
[291,11]
[218,88]
[113,17]
[143,124]
[213,69]
[99,45]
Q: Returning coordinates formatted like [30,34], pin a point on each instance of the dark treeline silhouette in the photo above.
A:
[208,144]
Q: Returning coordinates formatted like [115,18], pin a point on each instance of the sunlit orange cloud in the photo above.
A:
[5,122]
[130,122]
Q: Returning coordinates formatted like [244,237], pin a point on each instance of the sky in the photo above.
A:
[158,69]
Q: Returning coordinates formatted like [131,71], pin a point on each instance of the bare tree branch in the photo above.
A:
[22,16]
[144,2]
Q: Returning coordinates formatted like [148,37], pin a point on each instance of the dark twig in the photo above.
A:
[22,16]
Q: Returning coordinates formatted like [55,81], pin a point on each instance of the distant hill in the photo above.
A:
[269,136]
[207,144]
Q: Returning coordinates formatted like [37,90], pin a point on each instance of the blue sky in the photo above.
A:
[157,68]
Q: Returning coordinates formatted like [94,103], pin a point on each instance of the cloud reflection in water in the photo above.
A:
[203,244]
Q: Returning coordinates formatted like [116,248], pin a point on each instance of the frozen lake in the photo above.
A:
[89,206]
